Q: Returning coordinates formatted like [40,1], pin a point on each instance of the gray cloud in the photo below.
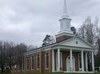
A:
[29,21]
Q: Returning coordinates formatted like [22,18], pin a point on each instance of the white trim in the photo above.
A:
[92,61]
[37,69]
[82,60]
[57,60]
[66,48]
[46,68]
[79,38]
[64,33]
[61,46]
[86,64]
[47,49]
[32,69]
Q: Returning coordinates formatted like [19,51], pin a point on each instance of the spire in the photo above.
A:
[65,10]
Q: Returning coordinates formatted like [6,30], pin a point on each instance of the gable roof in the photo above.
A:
[77,37]
[60,42]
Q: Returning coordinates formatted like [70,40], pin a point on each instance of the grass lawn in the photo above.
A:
[58,73]
[62,73]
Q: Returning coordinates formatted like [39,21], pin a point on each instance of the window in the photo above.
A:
[32,62]
[80,63]
[27,63]
[23,64]
[38,61]
[46,60]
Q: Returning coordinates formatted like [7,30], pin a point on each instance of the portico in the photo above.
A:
[76,56]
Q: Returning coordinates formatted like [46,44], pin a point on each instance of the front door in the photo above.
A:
[68,64]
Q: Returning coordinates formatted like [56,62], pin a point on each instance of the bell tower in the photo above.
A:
[65,26]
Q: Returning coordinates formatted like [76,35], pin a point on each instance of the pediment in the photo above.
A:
[76,42]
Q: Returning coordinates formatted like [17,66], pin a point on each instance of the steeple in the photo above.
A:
[65,25]
[65,10]
[65,21]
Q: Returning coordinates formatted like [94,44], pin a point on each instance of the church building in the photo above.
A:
[67,54]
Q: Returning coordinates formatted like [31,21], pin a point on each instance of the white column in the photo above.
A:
[86,63]
[53,62]
[82,60]
[92,61]
[58,59]
[71,67]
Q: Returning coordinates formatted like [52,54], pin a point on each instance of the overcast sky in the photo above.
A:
[29,21]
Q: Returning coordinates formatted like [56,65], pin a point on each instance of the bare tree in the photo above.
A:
[11,53]
[89,31]
[97,56]
[3,55]
[21,49]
